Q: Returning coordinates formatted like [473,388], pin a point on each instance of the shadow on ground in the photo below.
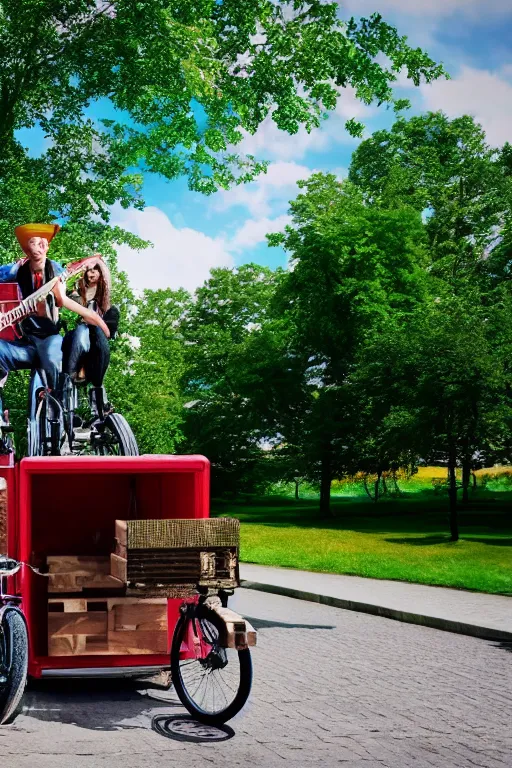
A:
[98,705]
[185,728]
[421,541]
[425,541]
[265,624]
[504,645]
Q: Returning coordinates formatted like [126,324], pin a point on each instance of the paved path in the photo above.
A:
[331,688]
[469,613]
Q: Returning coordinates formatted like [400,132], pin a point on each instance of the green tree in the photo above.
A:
[412,373]
[178,82]
[445,169]
[147,364]
[353,265]
[222,418]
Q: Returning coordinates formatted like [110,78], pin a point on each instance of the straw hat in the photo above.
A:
[25,231]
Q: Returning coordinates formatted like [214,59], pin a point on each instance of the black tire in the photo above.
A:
[183,672]
[14,651]
[55,433]
[115,438]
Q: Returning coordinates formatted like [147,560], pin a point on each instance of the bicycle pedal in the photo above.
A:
[82,435]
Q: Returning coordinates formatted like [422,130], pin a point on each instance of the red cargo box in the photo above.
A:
[69,505]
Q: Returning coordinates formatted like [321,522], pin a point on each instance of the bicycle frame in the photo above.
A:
[194,646]
[40,397]
[238,633]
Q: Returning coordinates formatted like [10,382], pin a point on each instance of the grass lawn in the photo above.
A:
[405,539]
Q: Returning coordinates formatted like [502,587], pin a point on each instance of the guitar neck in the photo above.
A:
[15,315]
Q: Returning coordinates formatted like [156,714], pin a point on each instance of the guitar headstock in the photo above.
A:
[76,267]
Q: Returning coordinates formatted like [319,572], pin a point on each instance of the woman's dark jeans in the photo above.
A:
[86,346]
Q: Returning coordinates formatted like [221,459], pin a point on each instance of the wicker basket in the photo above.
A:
[174,557]
[179,534]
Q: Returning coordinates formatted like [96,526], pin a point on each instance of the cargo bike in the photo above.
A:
[113,568]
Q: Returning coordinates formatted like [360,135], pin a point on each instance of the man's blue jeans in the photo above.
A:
[31,352]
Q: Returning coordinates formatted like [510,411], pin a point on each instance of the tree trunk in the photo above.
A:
[466,477]
[297,483]
[365,485]
[473,477]
[325,484]
[452,490]
[377,486]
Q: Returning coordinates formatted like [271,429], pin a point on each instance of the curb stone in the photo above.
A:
[435,622]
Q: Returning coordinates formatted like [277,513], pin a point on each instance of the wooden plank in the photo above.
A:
[118,567]
[138,642]
[79,565]
[140,617]
[121,535]
[88,623]
[74,605]
[74,574]
[67,646]
[251,633]
[96,645]
[70,605]
[240,633]
[100,581]
[63,582]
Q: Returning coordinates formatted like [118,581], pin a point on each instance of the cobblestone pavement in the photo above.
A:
[331,687]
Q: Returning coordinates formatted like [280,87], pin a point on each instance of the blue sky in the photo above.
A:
[192,233]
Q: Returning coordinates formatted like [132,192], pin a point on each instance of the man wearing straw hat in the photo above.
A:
[41,342]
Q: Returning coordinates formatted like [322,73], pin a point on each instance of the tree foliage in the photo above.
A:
[179,84]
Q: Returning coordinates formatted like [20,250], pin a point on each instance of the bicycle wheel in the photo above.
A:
[213,689]
[50,430]
[115,438]
[33,442]
[13,664]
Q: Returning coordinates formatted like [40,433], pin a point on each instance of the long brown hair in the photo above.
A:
[102,295]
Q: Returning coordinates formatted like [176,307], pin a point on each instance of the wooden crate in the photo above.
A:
[115,625]
[173,557]
[75,574]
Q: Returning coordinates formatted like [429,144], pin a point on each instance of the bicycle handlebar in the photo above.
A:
[9,566]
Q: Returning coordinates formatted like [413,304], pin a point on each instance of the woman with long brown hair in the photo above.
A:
[87,346]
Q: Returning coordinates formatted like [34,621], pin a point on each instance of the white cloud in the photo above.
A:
[181,258]
[277,186]
[485,95]
[253,231]
[340,172]
[420,20]
[271,143]
[426,8]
